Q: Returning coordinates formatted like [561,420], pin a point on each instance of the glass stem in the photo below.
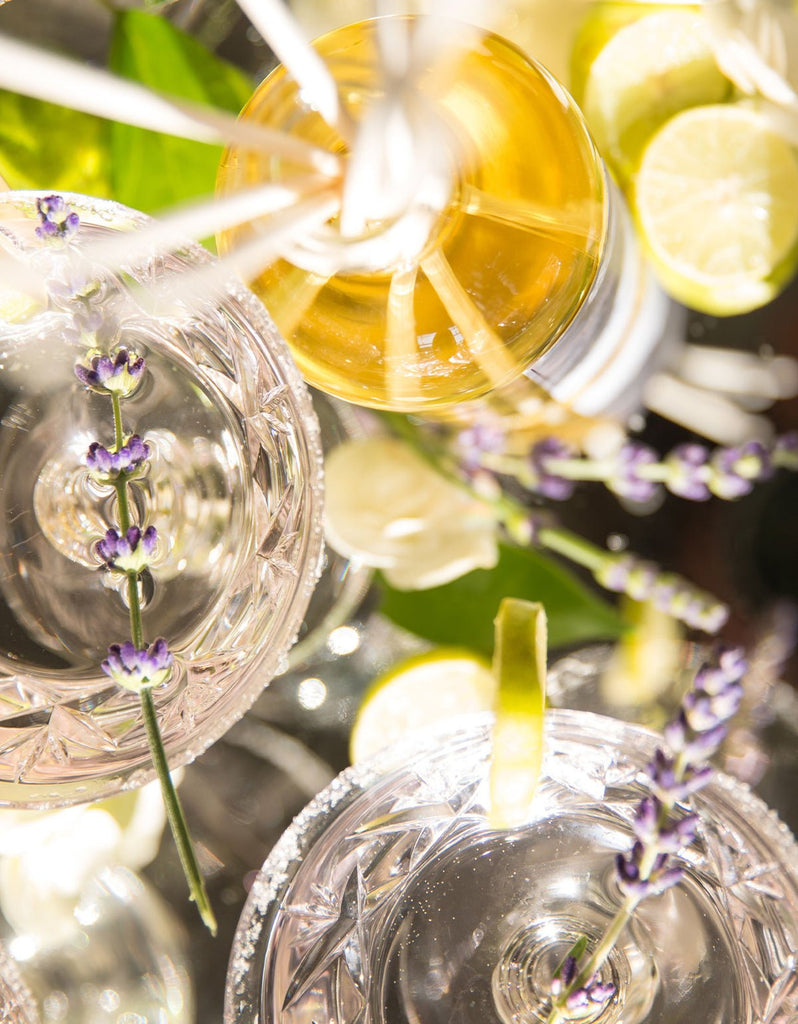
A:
[174,811]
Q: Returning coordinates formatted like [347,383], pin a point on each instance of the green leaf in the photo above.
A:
[151,171]
[462,612]
[50,147]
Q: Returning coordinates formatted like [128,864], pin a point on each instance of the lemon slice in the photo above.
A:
[519,665]
[649,70]
[417,693]
[716,198]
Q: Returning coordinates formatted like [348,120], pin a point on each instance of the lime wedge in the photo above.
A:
[519,664]
[649,70]
[417,693]
[715,198]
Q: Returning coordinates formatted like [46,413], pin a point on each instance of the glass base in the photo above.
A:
[392,900]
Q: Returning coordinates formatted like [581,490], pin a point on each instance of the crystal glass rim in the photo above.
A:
[245,981]
[272,658]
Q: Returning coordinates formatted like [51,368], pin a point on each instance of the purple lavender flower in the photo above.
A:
[641,580]
[593,991]
[547,481]
[57,220]
[627,480]
[118,374]
[661,831]
[671,783]
[785,450]
[107,466]
[478,440]
[128,552]
[735,470]
[653,881]
[135,668]
[688,466]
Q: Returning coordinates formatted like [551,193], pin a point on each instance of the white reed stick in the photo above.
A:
[46,76]
[576,226]
[247,260]
[712,415]
[198,220]
[122,250]
[317,86]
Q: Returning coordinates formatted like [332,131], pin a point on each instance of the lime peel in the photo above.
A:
[519,664]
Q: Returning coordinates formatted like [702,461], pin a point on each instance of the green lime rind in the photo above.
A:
[519,664]
[519,658]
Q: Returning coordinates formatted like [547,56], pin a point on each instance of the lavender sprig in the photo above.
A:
[132,664]
[636,472]
[662,830]
[620,572]
[116,374]
[625,573]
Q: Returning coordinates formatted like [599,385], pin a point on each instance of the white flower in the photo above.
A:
[388,508]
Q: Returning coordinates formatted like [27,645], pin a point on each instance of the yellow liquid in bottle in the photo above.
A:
[507,265]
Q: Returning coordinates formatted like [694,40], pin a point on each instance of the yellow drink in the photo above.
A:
[509,260]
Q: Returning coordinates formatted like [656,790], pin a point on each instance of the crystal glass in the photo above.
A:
[494,265]
[119,955]
[233,486]
[391,899]
[16,1003]
[344,582]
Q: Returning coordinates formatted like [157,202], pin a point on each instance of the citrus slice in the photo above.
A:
[417,693]
[519,665]
[715,197]
[649,70]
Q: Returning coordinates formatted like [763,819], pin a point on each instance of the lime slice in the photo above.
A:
[417,693]
[649,70]
[519,664]
[603,20]
[715,198]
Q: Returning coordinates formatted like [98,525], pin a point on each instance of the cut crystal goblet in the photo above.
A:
[233,486]
[391,899]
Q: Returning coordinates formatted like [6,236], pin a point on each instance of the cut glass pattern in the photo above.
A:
[233,488]
[391,900]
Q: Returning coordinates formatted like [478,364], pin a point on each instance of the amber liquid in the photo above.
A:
[507,265]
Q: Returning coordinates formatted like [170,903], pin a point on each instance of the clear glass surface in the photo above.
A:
[390,898]
[120,956]
[233,486]
[16,1002]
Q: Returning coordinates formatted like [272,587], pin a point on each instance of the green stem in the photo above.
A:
[596,960]
[573,547]
[174,812]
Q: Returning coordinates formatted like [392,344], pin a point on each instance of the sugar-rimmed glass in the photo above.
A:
[390,898]
[234,488]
